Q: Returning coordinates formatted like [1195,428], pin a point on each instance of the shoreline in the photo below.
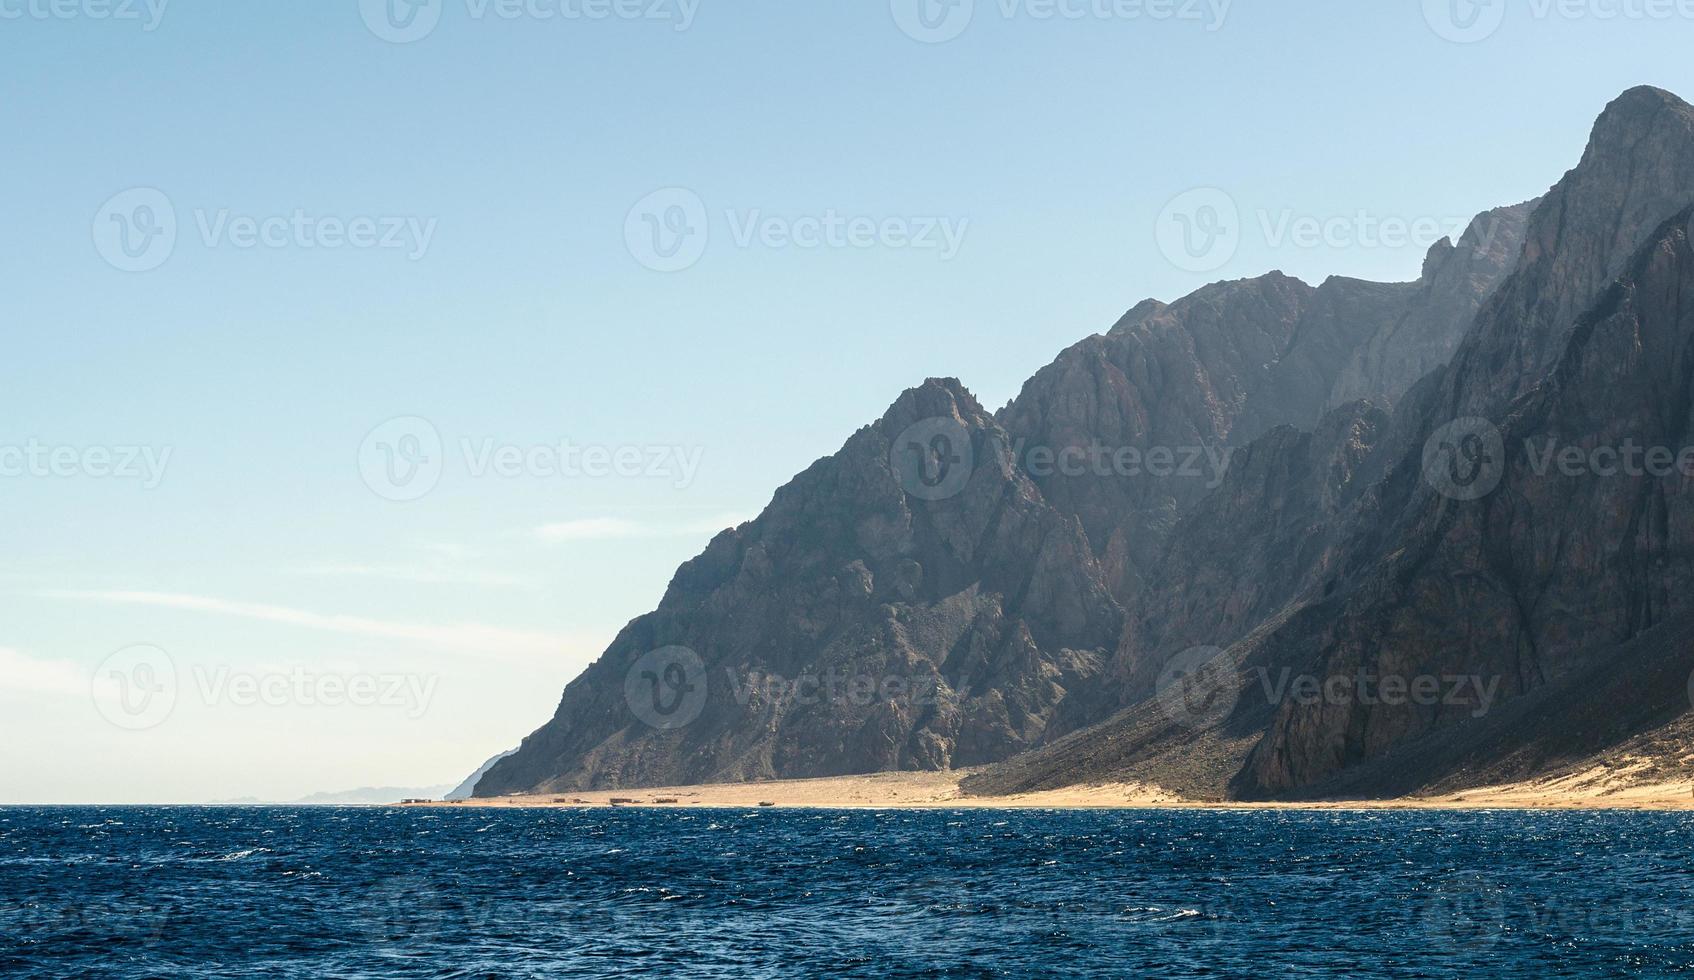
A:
[1590,790]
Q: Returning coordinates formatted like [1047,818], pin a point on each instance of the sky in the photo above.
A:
[370,363]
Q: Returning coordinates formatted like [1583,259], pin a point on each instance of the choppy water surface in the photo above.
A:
[202,892]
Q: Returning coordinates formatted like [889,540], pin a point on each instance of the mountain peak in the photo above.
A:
[1632,114]
[935,398]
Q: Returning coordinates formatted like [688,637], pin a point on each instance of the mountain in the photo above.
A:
[371,795]
[366,796]
[1232,488]
[919,555]
[467,789]
[1544,584]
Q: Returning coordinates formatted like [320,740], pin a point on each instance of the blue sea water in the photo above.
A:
[226,892]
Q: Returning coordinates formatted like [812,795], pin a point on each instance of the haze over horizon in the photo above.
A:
[335,619]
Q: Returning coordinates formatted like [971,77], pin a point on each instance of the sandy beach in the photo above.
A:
[1594,789]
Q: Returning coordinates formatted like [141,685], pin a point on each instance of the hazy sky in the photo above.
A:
[701,243]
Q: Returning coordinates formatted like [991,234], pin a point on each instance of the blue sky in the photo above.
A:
[451,232]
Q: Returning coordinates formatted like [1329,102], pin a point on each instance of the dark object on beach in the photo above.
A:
[619,801]
[666,799]
[767,804]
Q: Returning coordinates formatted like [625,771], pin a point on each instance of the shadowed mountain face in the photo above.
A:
[1523,554]
[1557,562]
[1223,366]
[911,602]
[1244,468]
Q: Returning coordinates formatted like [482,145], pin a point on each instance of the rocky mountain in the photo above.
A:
[910,602]
[1236,489]
[467,789]
[1467,560]
[1221,367]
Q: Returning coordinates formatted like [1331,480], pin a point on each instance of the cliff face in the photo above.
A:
[911,602]
[998,591]
[1244,468]
[1517,575]
[1223,366]
[1503,538]
[1560,561]
[1456,280]
[1636,171]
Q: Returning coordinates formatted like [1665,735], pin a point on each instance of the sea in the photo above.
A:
[192,892]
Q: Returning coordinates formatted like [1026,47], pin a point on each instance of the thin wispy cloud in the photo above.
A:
[477,638]
[624,529]
[23,674]
[425,574]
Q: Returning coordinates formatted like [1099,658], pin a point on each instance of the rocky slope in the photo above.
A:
[911,602]
[1221,367]
[1242,469]
[1518,575]
[995,596]
[1548,568]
